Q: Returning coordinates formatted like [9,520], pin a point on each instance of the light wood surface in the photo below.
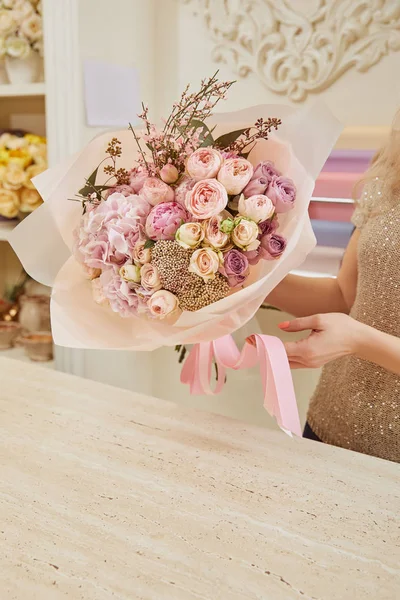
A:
[110,495]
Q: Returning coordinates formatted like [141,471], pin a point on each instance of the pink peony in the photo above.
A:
[125,190]
[282,192]
[137,179]
[122,298]
[164,220]
[235,174]
[204,163]
[156,191]
[169,173]
[207,198]
[183,188]
[108,233]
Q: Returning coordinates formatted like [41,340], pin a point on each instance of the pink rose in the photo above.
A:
[204,163]
[169,173]
[205,262]
[269,226]
[213,235]
[164,220]
[140,254]
[151,281]
[183,188]
[235,174]
[122,298]
[162,303]
[207,198]
[266,170]
[236,267]
[282,192]
[257,185]
[257,208]
[156,191]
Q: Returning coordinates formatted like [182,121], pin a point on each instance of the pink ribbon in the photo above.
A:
[266,351]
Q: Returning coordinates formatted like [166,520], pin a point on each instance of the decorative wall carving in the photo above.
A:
[295,52]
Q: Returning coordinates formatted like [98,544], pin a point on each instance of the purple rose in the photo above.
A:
[267,170]
[256,186]
[282,192]
[272,247]
[267,227]
[165,219]
[236,267]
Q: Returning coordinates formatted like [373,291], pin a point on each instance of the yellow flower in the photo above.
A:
[32,172]
[9,203]
[31,138]
[4,156]
[20,157]
[30,199]
[2,173]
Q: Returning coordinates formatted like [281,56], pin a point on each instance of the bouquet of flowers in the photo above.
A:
[22,157]
[20,28]
[179,232]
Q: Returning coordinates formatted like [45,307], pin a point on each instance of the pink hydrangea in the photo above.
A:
[108,233]
[120,294]
[164,220]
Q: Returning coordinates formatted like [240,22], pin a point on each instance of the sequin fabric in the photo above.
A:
[357,404]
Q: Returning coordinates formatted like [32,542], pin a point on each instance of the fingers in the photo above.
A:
[302,324]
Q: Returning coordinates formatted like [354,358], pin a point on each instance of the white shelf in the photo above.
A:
[10,90]
[6,228]
[19,354]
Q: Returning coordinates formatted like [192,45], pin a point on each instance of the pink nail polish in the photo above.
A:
[284,325]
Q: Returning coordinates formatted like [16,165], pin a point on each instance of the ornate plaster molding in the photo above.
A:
[295,52]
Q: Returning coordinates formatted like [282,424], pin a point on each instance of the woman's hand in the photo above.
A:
[332,336]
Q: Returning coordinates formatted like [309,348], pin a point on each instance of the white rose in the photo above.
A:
[7,22]
[245,234]
[258,208]
[150,278]
[30,200]
[205,262]
[162,303]
[8,3]
[31,27]
[130,273]
[140,254]
[189,235]
[17,47]
[9,203]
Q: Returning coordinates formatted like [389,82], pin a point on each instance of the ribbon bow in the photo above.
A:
[266,351]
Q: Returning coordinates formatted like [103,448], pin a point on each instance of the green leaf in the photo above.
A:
[206,135]
[149,244]
[224,141]
[92,178]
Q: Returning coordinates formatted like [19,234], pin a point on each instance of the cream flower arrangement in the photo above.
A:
[21,29]
[21,159]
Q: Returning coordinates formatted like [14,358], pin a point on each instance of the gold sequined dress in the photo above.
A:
[357,404]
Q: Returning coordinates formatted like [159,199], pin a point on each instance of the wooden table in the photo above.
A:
[110,495]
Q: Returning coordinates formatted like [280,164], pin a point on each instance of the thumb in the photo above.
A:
[302,324]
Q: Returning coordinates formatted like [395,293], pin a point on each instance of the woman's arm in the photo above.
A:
[304,296]
[336,335]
